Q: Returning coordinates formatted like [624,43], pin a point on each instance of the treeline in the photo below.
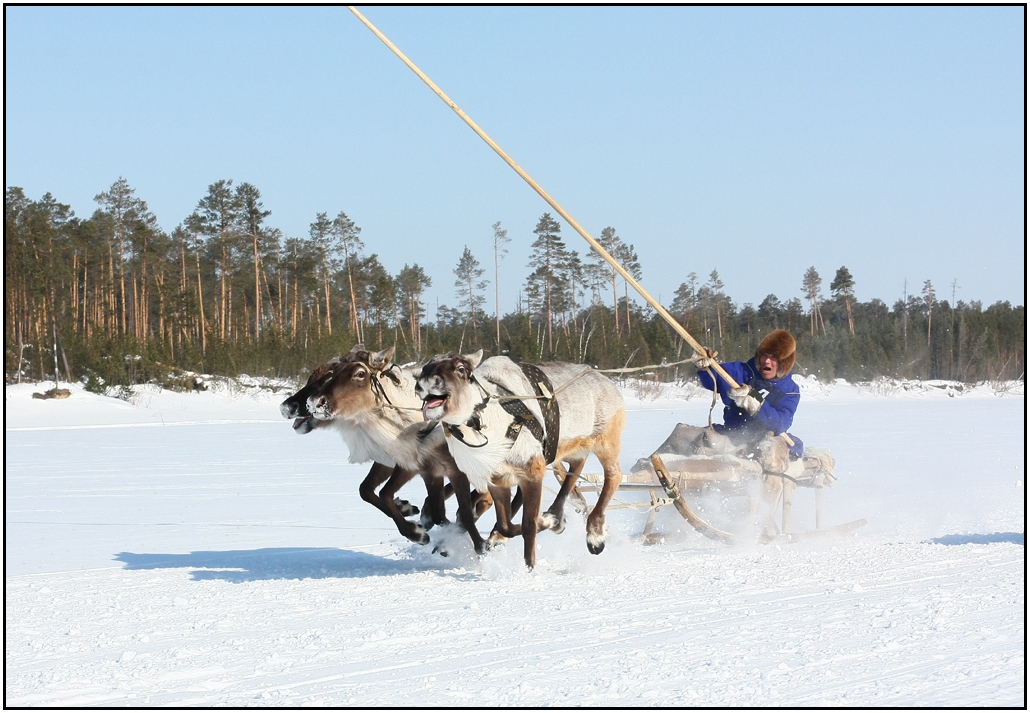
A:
[114,299]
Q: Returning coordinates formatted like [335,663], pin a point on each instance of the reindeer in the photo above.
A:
[373,405]
[500,439]
[296,407]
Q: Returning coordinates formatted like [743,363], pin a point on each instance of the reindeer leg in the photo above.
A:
[554,517]
[504,528]
[516,502]
[482,502]
[532,490]
[377,475]
[433,511]
[466,514]
[607,450]
[413,531]
[597,530]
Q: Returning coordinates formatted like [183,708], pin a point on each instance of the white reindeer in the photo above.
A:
[499,441]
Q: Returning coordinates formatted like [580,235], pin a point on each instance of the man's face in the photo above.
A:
[768,365]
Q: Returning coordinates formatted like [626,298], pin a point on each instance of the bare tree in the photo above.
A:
[500,240]
[930,300]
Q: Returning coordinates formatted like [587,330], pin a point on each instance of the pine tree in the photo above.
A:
[216,217]
[379,294]
[469,286]
[411,282]
[126,213]
[614,246]
[810,287]
[543,284]
[252,216]
[626,254]
[685,300]
[326,247]
[769,311]
[348,234]
[715,287]
[843,286]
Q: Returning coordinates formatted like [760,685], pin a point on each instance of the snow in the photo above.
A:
[191,550]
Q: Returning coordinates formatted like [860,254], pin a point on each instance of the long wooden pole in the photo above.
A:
[543,194]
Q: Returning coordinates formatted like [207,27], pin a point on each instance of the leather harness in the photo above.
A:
[546,433]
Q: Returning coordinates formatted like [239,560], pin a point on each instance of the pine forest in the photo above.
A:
[115,300]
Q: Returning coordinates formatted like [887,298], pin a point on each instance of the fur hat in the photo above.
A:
[781,345]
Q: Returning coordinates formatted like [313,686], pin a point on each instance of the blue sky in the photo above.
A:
[755,141]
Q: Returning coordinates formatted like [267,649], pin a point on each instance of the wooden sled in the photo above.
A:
[728,475]
[701,471]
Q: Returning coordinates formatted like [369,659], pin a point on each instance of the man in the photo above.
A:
[756,413]
[767,397]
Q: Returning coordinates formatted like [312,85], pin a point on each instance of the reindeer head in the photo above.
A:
[352,388]
[446,389]
[296,407]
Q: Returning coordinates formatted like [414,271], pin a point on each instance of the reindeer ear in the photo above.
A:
[380,360]
[475,359]
[354,350]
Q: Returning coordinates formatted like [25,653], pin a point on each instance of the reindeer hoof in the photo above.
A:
[550,521]
[596,549]
[406,509]
[418,536]
[441,550]
[495,540]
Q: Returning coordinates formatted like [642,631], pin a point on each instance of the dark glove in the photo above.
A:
[747,399]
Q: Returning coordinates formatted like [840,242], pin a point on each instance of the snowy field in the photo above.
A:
[191,550]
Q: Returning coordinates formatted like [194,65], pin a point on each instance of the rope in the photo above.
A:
[627,370]
[587,371]
[711,408]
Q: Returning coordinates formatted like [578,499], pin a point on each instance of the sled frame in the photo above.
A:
[668,491]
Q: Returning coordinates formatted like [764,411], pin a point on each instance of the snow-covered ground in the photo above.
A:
[191,550]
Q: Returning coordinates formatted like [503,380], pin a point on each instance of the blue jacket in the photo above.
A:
[777,411]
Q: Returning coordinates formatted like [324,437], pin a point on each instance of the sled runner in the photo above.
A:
[720,480]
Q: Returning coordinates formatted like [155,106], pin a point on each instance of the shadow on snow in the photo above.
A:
[274,563]
[1015,538]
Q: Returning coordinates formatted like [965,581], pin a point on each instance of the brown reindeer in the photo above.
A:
[373,405]
[296,408]
[502,435]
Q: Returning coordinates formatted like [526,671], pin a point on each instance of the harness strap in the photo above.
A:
[546,433]
[377,387]
[453,430]
[549,406]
